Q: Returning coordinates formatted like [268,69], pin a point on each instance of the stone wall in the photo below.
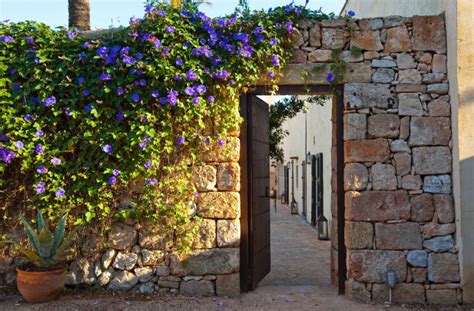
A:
[398,154]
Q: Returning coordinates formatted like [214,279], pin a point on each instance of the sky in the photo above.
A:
[112,13]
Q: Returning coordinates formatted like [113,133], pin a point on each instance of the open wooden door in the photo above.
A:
[255,246]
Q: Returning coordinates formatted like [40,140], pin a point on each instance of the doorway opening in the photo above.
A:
[299,175]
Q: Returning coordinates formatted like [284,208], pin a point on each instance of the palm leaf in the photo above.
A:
[32,236]
[41,222]
[58,235]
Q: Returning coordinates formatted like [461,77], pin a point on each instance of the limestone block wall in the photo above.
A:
[399,212]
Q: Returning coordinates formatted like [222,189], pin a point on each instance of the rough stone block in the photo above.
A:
[439,108]
[412,182]
[400,236]
[383,177]
[334,38]
[438,88]
[357,291]
[376,150]
[430,131]
[432,160]
[437,184]
[349,57]
[108,257]
[320,56]
[355,126]
[228,177]
[442,297]
[143,274]
[440,243]
[228,233]
[383,63]
[409,105]
[359,235]
[197,288]
[418,258]
[418,275]
[123,280]
[405,61]
[204,177]
[399,146]
[154,237]
[377,205]
[298,56]
[122,236]
[315,35]
[444,208]
[206,234]
[403,293]
[439,64]
[422,209]
[411,88]
[383,75]
[152,258]
[433,229]
[203,262]
[371,265]
[429,34]
[367,40]
[384,125]
[125,261]
[443,268]
[402,163]
[228,285]
[356,177]
[398,40]
[409,76]
[433,78]
[357,73]
[367,95]
[221,205]
[230,152]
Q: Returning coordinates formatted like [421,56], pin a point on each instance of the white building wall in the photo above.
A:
[318,140]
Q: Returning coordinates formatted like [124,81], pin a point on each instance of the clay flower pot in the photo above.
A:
[40,286]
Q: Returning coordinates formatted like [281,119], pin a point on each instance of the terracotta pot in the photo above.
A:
[40,286]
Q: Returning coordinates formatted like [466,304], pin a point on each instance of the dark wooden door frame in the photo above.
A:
[246,184]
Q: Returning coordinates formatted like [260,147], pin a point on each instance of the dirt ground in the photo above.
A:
[299,280]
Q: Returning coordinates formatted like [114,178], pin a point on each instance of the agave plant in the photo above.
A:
[48,248]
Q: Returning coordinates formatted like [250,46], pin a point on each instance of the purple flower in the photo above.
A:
[119,116]
[88,108]
[156,42]
[28,117]
[260,38]
[39,149]
[30,40]
[86,93]
[273,41]
[289,27]
[179,62]
[6,39]
[191,91]
[7,155]
[180,140]
[112,180]
[351,13]
[170,29]
[60,193]
[201,89]
[196,100]
[107,149]
[105,77]
[81,80]
[207,140]
[148,165]
[139,55]
[196,195]
[102,51]
[330,77]
[86,45]
[275,60]
[19,145]
[55,161]
[221,142]
[39,133]
[151,181]
[135,97]
[191,76]
[258,30]
[82,56]
[155,93]
[42,169]
[49,101]
[34,100]
[116,172]
[16,85]
[120,91]
[142,144]
[144,119]
[211,99]
[67,112]
[128,60]
[142,82]
[172,97]
[271,74]
[40,187]
[165,51]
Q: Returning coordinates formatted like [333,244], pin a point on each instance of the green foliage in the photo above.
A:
[48,248]
[282,111]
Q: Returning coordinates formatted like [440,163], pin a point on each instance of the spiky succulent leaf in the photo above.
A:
[58,235]
[32,236]
[65,244]
[31,255]
[41,222]
[46,240]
